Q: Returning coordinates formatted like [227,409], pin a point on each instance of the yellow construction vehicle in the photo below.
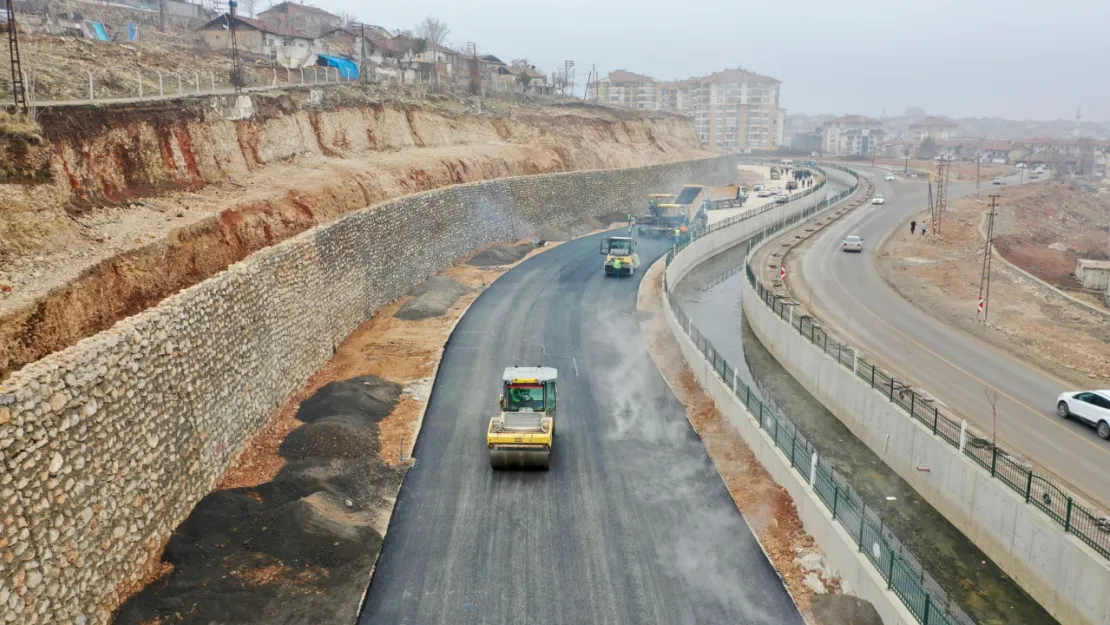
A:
[620,255]
[522,435]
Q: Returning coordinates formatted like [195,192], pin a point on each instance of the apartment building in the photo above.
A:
[853,135]
[629,90]
[732,109]
[938,128]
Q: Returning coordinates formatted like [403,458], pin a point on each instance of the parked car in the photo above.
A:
[1000,180]
[1092,407]
[878,199]
[889,178]
[853,244]
[759,187]
[782,198]
[764,193]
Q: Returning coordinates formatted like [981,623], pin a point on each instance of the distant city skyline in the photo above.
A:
[962,59]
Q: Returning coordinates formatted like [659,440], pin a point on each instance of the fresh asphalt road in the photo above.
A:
[631,525]
[946,361]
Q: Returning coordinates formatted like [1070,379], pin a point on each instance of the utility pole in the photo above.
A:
[362,53]
[942,194]
[19,90]
[161,16]
[236,69]
[985,274]
[978,160]
[568,77]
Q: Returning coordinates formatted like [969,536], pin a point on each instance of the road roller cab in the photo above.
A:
[521,436]
[620,255]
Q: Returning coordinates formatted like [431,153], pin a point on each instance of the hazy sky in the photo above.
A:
[1017,59]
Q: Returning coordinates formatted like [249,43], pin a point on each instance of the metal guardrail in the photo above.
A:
[897,565]
[1082,520]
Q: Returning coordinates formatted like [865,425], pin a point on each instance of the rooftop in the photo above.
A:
[735,75]
[295,7]
[276,29]
[621,76]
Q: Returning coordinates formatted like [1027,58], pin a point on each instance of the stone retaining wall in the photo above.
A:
[106,446]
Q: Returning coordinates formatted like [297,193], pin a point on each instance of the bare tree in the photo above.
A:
[992,399]
[433,29]
[559,81]
[248,6]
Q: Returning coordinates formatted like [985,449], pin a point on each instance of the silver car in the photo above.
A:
[853,244]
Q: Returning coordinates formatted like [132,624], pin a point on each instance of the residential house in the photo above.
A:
[938,128]
[285,46]
[364,44]
[853,135]
[301,17]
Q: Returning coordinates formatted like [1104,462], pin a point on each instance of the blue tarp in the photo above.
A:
[101,33]
[348,69]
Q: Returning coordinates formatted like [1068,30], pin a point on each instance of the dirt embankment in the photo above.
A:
[941,275]
[143,201]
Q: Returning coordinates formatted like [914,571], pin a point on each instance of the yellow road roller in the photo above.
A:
[521,436]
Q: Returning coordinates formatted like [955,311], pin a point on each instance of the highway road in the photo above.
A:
[631,525]
[947,362]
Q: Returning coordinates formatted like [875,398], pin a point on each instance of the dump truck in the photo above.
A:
[522,435]
[729,196]
[620,254]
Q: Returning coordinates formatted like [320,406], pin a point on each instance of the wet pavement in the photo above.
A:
[712,300]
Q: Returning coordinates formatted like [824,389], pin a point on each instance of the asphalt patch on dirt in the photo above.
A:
[843,610]
[298,549]
[432,298]
[501,255]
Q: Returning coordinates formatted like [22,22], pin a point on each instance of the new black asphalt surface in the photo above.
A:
[631,525]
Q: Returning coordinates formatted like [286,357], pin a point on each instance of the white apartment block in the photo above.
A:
[733,109]
[853,135]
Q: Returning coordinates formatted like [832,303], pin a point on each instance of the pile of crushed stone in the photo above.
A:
[297,549]
[432,298]
[501,255]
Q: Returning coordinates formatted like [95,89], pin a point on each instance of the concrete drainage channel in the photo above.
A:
[850,536]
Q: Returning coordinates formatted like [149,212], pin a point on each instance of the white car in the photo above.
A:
[889,178]
[999,180]
[759,187]
[1092,407]
[853,244]
[878,199]
[764,193]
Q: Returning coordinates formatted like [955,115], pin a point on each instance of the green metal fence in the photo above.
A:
[904,575]
[1082,520]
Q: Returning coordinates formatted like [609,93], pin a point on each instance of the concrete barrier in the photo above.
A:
[1068,578]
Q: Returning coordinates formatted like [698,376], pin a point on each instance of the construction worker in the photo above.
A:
[677,235]
[685,234]
[631,218]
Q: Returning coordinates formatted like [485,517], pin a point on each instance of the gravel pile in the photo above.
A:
[298,549]
[432,298]
[501,255]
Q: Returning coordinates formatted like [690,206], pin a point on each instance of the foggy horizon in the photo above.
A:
[1023,61]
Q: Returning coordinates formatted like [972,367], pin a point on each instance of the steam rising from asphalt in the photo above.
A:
[699,535]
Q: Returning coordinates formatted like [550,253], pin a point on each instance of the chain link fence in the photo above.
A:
[904,574]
